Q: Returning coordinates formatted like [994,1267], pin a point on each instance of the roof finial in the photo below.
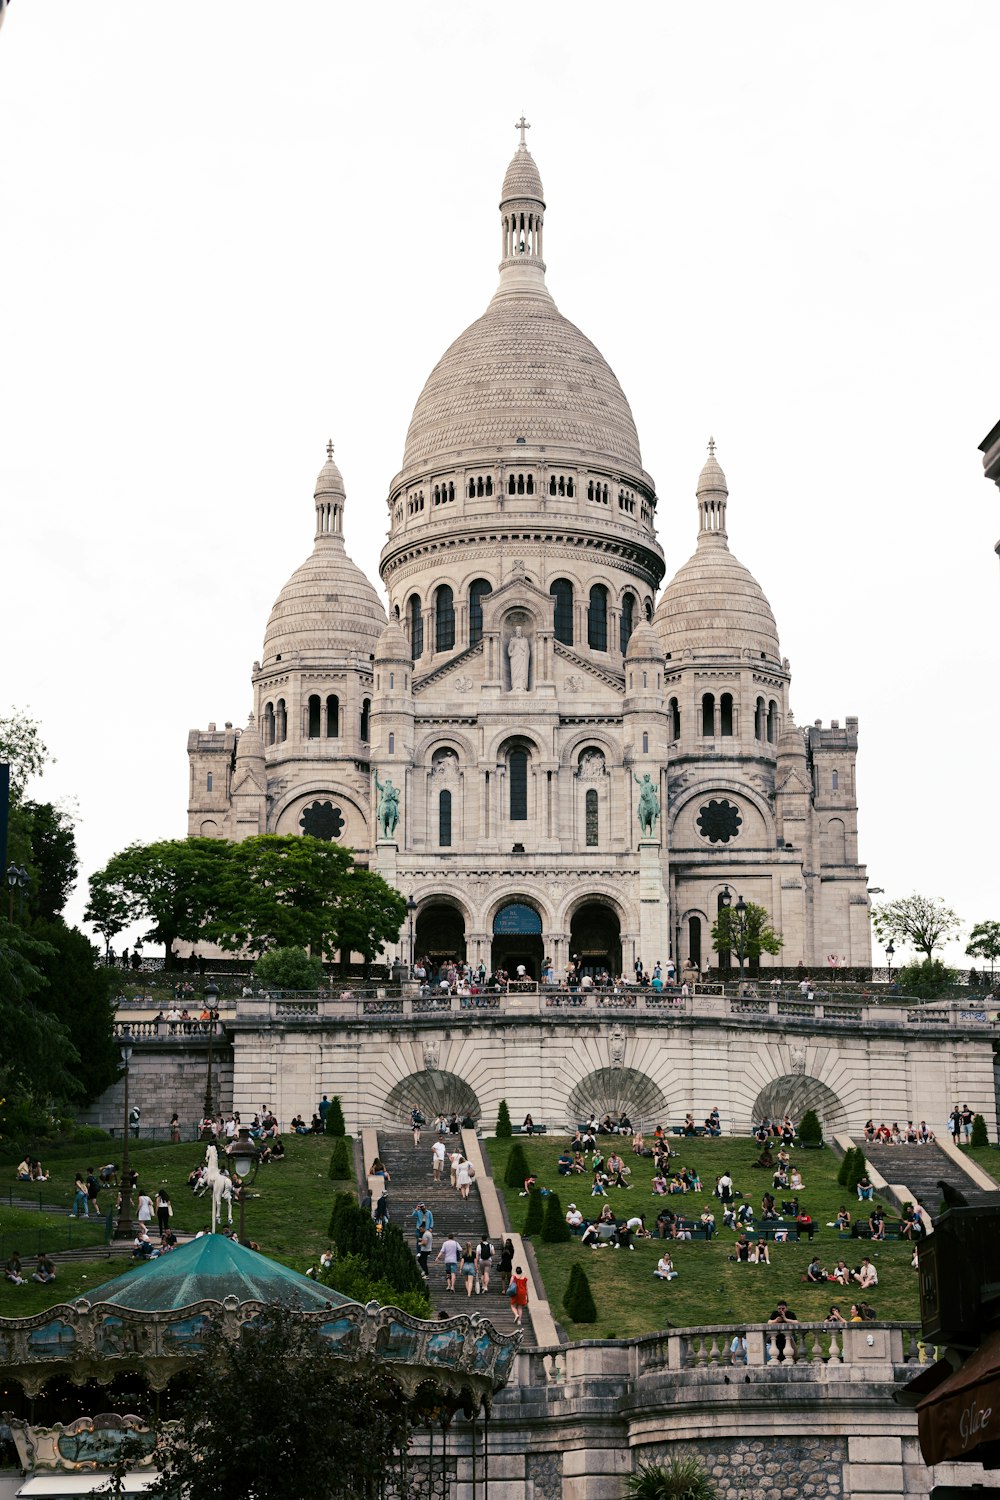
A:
[522,125]
[711,447]
[329,449]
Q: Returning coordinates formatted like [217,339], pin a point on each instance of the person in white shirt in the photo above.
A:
[574,1218]
[437,1158]
[665,1268]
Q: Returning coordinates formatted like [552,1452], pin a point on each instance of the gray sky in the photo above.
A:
[232,230]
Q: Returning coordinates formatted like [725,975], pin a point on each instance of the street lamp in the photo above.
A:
[741,933]
[17,880]
[211,994]
[889,951]
[244,1159]
[124,1229]
[411,908]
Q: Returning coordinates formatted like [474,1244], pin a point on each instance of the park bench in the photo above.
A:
[683,1130]
[535,1130]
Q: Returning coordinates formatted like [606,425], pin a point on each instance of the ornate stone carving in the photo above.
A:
[464,684]
[519,655]
[617,1045]
[797,1057]
[648,811]
[432,1055]
[592,765]
[387,810]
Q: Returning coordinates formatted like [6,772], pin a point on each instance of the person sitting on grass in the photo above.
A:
[866,1275]
[142,1245]
[841,1273]
[13,1271]
[45,1271]
[815,1272]
[765,1159]
[574,1218]
[665,1268]
[23,1173]
[760,1254]
[843,1220]
[865,1190]
[659,1185]
[743,1248]
[876,1223]
[618,1172]
[564,1164]
[599,1186]
[708,1223]
[744,1215]
[638,1144]
[693,1179]
[911,1226]
[767,1207]
[795,1180]
[835,1318]
[529,1183]
[676,1185]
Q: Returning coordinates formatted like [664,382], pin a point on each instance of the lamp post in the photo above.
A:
[244,1159]
[741,934]
[411,909]
[17,880]
[889,951]
[211,994]
[124,1229]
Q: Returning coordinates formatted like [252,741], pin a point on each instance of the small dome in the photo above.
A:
[250,746]
[644,644]
[330,481]
[392,644]
[522,179]
[327,606]
[712,604]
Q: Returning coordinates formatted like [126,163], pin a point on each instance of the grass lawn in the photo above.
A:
[287,1218]
[986,1157]
[710,1288]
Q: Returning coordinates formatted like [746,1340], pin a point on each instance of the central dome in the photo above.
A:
[522,370]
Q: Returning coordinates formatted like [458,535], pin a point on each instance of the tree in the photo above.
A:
[810,1129]
[921,922]
[340,1161]
[174,885]
[980,1136]
[80,993]
[578,1299]
[555,1230]
[335,1124]
[52,861]
[517,1168]
[677,1479]
[534,1218]
[37,1059]
[503,1130]
[384,1262]
[289,969]
[318,1431]
[758,934]
[928,980]
[369,915]
[984,942]
[22,747]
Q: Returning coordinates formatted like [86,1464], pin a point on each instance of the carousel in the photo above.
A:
[74,1379]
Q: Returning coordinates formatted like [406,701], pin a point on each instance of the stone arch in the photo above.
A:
[434,1091]
[712,787]
[441,738]
[284,816]
[794,1093]
[441,928]
[614,1090]
[591,734]
[587,896]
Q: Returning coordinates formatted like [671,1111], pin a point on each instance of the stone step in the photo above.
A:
[412,1182]
[920,1168]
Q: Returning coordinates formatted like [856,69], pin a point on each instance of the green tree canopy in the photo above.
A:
[79,993]
[43,838]
[37,1059]
[758,936]
[921,922]
[272,1412]
[22,747]
[173,885]
[289,969]
[984,942]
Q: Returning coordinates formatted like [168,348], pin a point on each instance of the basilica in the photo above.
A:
[548,757]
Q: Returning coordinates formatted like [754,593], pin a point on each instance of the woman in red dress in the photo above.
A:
[518,1294]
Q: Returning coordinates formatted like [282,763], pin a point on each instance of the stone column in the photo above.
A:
[654,907]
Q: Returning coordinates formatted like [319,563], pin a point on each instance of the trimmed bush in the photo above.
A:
[555,1230]
[517,1168]
[859,1167]
[340,1161]
[335,1118]
[387,1255]
[810,1129]
[503,1122]
[536,1214]
[845,1166]
[979,1133]
[289,969]
[578,1299]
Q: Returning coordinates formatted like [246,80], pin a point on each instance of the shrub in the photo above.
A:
[928,980]
[535,1217]
[289,969]
[858,1169]
[810,1129]
[516,1169]
[979,1134]
[335,1119]
[92,1135]
[555,1230]
[340,1161]
[845,1167]
[578,1299]
[503,1122]
[677,1479]
[387,1255]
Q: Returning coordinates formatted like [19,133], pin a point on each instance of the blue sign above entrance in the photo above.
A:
[517,920]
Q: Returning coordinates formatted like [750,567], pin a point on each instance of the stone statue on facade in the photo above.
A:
[648,811]
[519,653]
[387,809]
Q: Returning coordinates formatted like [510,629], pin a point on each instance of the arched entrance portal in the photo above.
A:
[793,1094]
[517,939]
[595,937]
[434,1092]
[440,934]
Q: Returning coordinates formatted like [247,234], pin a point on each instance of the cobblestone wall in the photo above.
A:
[765,1468]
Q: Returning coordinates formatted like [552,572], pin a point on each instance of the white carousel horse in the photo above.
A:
[220,1183]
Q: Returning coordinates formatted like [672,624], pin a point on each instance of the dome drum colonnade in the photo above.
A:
[523,686]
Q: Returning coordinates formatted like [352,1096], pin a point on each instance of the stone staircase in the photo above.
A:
[920,1168]
[412,1183]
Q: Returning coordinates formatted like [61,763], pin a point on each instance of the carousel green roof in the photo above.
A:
[210,1269]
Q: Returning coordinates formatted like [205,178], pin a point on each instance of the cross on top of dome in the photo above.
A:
[522,125]
[711,446]
[329,448]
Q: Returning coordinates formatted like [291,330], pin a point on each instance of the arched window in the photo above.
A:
[444,820]
[562,593]
[597,618]
[315,716]
[627,622]
[366,714]
[725,957]
[726,713]
[708,715]
[392,743]
[477,593]
[332,717]
[416,627]
[280,720]
[517,776]
[694,941]
[772,722]
[645,743]
[591,818]
[675,719]
[444,619]
[759,720]
[268,723]
[834,781]
[208,782]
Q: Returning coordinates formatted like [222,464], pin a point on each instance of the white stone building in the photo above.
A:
[524,681]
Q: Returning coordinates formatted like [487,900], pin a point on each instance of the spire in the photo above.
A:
[712,494]
[329,496]
[522,209]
